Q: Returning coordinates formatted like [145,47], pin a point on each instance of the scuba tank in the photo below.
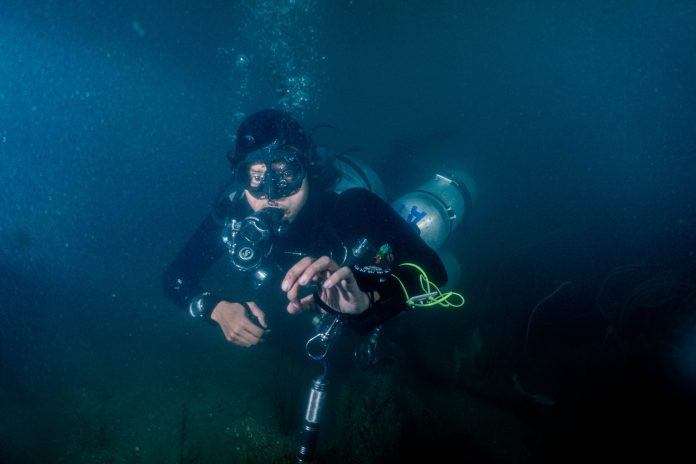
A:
[351,171]
[355,173]
[438,206]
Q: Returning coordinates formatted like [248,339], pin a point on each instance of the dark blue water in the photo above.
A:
[575,121]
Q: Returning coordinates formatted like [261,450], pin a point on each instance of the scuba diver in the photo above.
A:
[287,232]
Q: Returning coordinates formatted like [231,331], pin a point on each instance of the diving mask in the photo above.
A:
[272,173]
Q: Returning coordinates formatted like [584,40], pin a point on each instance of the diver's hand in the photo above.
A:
[237,327]
[337,286]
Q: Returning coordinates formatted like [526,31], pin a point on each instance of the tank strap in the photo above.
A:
[466,194]
[450,212]
[226,205]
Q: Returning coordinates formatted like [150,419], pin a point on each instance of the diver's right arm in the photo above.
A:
[236,325]
[181,283]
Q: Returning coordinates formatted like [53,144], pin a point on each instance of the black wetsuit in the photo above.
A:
[327,223]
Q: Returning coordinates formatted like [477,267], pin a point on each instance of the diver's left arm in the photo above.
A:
[369,300]
[368,216]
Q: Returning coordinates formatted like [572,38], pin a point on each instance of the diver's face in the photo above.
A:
[292,204]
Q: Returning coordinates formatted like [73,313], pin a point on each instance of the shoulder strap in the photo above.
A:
[228,204]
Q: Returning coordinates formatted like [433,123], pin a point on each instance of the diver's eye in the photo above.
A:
[255,179]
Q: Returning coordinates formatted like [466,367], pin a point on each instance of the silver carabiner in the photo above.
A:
[322,340]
